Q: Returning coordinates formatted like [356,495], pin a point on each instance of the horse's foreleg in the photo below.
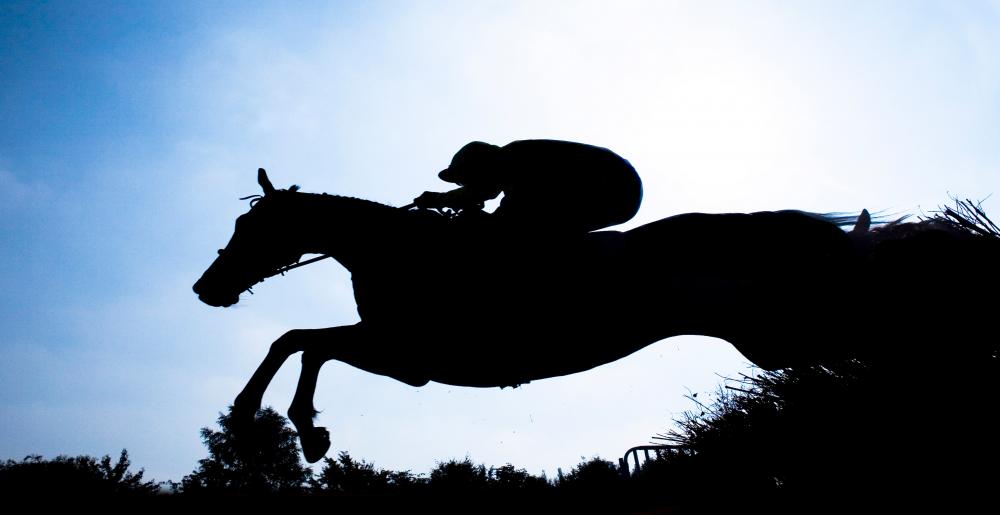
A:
[315,440]
[351,345]
[248,401]
[319,346]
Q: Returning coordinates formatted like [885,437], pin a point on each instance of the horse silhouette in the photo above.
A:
[470,304]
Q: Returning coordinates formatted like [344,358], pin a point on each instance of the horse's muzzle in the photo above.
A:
[214,299]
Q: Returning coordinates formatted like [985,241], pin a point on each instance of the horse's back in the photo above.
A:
[740,242]
[766,282]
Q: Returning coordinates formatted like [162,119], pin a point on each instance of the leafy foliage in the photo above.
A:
[81,476]
[595,476]
[261,458]
[459,476]
[347,476]
[509,478]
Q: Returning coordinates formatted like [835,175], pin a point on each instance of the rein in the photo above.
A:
[293,266]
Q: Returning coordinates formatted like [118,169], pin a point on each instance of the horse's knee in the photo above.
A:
[288,344]
[314,358]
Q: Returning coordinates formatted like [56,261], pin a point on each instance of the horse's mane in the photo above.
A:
[836,218]
[358,201]
[295,189]
[965,219]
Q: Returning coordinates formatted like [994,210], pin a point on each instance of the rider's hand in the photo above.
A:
[457,199]
[431,200]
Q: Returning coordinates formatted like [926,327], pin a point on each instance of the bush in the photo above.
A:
[260,459]
[347,476]
[80,476]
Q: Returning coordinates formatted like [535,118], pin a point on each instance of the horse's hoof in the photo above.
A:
[315,443]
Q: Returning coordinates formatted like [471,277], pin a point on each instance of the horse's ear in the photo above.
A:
[863,224]
[264,181]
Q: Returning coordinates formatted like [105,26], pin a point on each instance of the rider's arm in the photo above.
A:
[466,197]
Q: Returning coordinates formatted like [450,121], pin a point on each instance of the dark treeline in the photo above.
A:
[903,432]
[38,478]
[265,460]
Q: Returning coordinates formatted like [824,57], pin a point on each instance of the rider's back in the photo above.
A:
[569,185]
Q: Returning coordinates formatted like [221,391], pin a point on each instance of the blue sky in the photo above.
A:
[129,130]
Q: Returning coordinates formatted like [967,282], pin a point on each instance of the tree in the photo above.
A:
[347,476]
[459,476]
[72,476]
[344,475]
[509,478]
[595,475]
[262,458]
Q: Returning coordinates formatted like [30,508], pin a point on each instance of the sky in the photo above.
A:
[128,130]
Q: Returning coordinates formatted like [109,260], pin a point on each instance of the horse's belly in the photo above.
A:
[509,288]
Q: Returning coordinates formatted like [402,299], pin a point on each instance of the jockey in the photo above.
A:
[561,185]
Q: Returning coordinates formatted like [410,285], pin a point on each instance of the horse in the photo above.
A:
[469,302]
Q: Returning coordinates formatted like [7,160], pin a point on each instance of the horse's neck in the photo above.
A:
[341,226]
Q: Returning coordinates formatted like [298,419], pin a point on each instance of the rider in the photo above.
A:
[567,186]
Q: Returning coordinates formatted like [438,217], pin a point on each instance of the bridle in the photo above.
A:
[281,270]
[293,266]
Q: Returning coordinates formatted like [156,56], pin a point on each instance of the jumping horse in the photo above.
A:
[468,303]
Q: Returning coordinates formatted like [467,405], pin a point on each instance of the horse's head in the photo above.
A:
[262,244]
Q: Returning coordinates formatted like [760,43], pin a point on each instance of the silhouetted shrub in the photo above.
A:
[80,476]
[262,458]
[593,476]
[347,476]
[458,476]
[509,478]
[344,475]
